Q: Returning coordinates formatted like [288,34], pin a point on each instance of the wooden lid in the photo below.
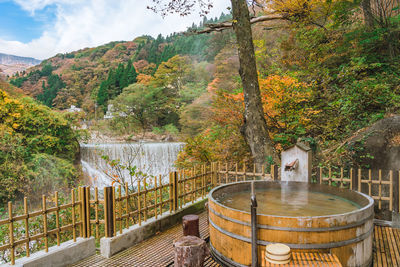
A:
[277,249]
[277,257]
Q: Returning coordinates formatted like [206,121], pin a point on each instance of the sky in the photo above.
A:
[43,28]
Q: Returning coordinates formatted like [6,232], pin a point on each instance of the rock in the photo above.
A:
[378,145]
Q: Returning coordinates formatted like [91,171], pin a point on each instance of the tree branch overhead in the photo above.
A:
[217,27]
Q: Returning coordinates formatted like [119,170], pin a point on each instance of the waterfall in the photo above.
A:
[150,158]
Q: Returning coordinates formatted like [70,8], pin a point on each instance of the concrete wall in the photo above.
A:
[67,253]
[136,233]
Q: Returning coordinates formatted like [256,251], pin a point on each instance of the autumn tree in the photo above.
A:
[254,127]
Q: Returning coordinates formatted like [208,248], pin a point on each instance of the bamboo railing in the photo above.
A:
[21,223]
[382,186]
[107,212]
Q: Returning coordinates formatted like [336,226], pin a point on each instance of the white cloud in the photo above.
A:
[88,23]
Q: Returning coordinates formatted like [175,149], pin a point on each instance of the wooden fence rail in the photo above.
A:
[106,212]
[382,186]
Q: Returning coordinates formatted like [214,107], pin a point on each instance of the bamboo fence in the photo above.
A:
[107,212]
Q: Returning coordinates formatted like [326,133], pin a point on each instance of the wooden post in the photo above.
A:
[262,172]
[44,211]
[183,190]
[89,230]
[96,210]
[396,191]
[120,208]
[175,190]
[127,205]
[236,172]
[57,218]
[171,192]
[352,178]
[380,188]
[139,203]
[145,199]
[253,207]
[73,214]
[190,225]
[161,195]
[359,180]
[244,170]
[391,191]
[26,226]
[274,172]
[193,185]
[341,177]
[155,196]
[108,211]
[11,233]
[82,213]
[369,182]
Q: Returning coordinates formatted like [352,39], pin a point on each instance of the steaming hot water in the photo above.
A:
[150,158]
[296,202]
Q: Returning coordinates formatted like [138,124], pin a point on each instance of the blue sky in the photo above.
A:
[43,28]
[19,25]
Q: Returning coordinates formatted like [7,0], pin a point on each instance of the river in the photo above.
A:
[149,158]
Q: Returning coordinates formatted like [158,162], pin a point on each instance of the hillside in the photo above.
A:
[82,72]
[38,147]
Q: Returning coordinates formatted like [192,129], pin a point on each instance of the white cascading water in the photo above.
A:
[150,158]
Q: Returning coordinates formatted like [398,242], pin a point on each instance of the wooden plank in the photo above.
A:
[377,246]
[387,247]
[382,246]
[396,239]
[394,253]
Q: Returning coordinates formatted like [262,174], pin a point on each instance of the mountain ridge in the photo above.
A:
[7,59]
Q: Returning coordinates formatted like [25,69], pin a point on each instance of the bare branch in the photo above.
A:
[217,27]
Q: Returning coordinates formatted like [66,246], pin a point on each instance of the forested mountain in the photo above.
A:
[75,78]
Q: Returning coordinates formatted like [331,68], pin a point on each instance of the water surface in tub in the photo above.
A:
[289,202]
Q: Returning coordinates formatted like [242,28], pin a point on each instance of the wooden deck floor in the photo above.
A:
[158,250]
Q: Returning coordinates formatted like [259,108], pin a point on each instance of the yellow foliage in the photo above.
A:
[309,11]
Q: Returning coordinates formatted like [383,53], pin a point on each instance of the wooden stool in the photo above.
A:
[190,251]
[190,225]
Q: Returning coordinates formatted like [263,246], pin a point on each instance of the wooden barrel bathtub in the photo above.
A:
[349,235]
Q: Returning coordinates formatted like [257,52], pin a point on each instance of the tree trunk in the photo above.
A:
[367,11]
[190,251]
[255,127]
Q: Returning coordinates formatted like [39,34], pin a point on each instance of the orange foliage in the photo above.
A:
[144,79]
